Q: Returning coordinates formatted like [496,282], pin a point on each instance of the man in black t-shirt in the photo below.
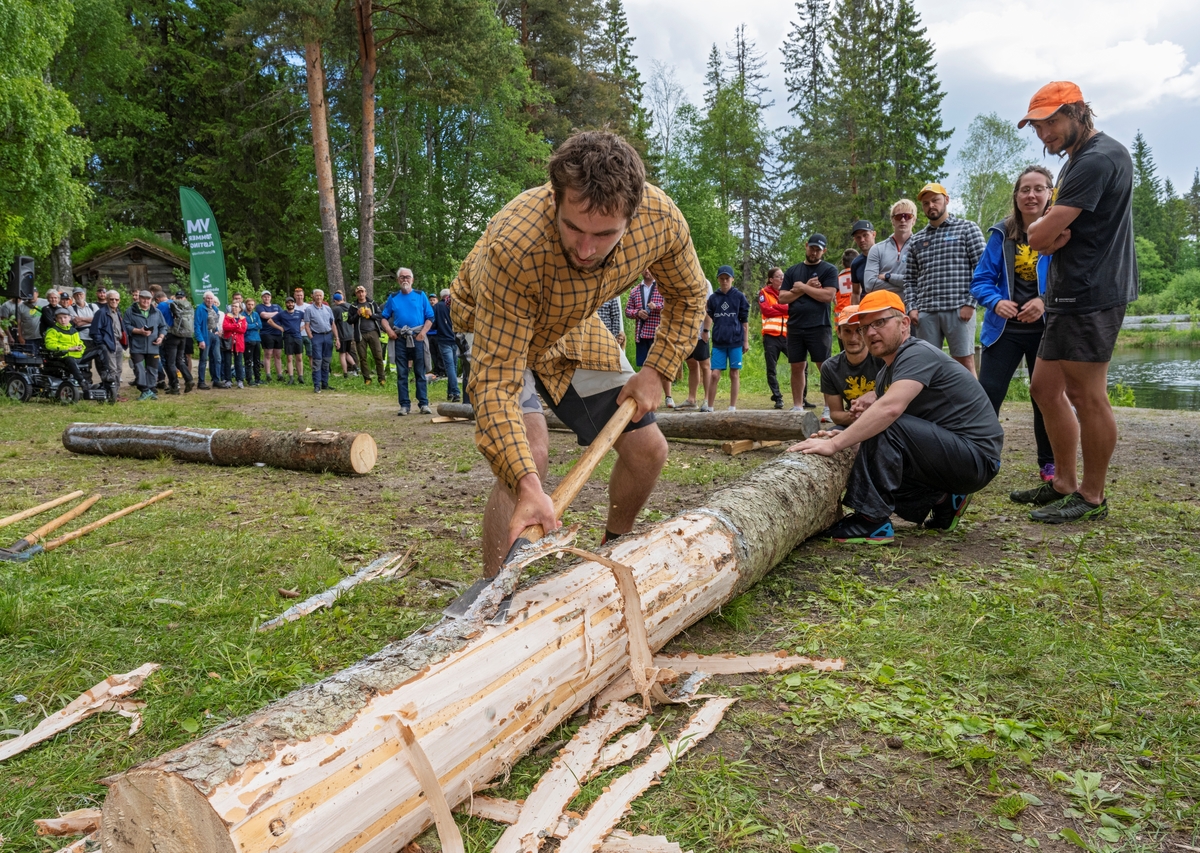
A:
[849,376]
[863,234]
[1092,277]
[808,289]
[928,441]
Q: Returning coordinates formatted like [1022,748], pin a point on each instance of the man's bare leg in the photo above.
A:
[798,382]
[968,361]
[694,380]
[1048,386]
[500,504]
[735,384]
[641,455]
[1087,389]
[710,393]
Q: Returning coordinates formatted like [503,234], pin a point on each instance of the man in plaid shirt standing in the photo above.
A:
[529,291]
[941,263]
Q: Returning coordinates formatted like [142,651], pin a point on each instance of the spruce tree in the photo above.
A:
[616,61]
[1148,200]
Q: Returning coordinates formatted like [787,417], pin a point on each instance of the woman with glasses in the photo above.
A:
[1010,282]
[886,260]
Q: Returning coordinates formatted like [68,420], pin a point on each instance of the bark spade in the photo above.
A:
[318,770]
[315,79]
[299,450]
[755,424]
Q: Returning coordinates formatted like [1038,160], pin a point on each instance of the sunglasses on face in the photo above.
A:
[902,217]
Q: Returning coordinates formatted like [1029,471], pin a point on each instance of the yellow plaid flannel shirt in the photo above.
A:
[528,307]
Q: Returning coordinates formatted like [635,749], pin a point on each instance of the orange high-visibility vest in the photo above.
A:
[773,313]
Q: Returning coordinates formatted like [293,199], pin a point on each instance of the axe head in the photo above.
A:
[21,556]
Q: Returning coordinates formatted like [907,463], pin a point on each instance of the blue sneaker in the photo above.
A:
[945,515]
[857,529]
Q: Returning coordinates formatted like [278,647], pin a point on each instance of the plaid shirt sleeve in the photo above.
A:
[610,315]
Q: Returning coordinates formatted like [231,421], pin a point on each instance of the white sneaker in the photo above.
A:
[797,408]
[704,407]
[825,415]
[733,408]
[669,402]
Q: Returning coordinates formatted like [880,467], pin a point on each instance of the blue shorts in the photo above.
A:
[723,357]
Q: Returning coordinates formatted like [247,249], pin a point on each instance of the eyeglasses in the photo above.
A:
[877,325]
[1032,190]
[902,217]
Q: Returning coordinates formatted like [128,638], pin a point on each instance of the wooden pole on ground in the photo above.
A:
[298,450]
[754,424]
[40,508]
[111,517]
[323,770]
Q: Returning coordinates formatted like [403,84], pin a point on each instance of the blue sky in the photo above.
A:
[1138,64]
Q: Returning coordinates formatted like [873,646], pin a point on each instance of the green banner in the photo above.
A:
[204,242]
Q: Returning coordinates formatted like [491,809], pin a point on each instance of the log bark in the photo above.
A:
[318,770]
[299,450]
[753,424]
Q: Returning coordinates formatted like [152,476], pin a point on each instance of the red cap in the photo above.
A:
[1049,99]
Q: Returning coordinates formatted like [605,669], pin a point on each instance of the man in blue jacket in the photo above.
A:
[730,313]
[208,321]
[407,316]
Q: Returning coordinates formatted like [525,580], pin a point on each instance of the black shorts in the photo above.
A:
[270,341]
[587,416]
[701,352]
[292,345]
[1081,337]
[345,345]
[815,342]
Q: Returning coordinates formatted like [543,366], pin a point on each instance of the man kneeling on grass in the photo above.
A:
[929,436]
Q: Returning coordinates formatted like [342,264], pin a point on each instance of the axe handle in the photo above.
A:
[88,528]
[50,526]
[40,508]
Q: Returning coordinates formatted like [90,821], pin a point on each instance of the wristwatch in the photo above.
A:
[887,276]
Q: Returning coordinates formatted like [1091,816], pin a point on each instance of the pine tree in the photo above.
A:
[616,62]
[1148,200]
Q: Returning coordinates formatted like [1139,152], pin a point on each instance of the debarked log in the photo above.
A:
[753,424]
[298,450]
[323,770]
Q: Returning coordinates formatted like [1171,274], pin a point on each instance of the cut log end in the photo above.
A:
[160,813]
[363,453]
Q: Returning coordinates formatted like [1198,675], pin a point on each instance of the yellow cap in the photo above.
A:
[932,188]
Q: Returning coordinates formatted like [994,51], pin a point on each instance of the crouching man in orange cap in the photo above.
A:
[928,440]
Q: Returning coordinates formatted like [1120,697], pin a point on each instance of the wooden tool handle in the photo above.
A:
[88,528]
[40,508]
[571,485]
[70,515]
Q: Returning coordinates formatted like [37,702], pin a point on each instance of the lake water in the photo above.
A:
[1160,378]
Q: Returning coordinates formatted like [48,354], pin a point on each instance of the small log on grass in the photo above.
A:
[322,769]
[297,450]
[752,424]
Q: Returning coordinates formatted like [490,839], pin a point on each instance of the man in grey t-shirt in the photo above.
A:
[929,436]
[318,322]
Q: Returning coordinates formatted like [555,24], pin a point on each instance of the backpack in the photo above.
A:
[183,320]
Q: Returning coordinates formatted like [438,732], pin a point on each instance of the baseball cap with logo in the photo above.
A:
[932,187]
[818,240]
[1049,99]
[846,316]
[875,301]
[861,225]
[725,270]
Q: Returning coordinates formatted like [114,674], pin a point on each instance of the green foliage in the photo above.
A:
[990,160]
[1121,396]
[1153,275]
[119,235]
[41,195]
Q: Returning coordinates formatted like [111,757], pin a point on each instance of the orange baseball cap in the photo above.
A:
[877,300]
[1049,99]
[932,187]
[845,317]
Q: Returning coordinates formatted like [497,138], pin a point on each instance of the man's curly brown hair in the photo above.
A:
[602,170]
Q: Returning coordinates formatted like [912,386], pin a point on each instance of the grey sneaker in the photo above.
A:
[425,410]
[1040,495]
[1070,508]
[403,412]
[704,407]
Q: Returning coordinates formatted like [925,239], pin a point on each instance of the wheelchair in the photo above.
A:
[28,374]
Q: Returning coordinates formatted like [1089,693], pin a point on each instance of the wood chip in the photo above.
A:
[622,750]
[559,785]
[103,697]
[618,841]
[447,829]
[288,593]
[612,805]
[733,448]
[88,842]
[387,566]
[78,822]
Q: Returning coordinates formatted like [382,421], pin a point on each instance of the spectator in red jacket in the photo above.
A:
[234,330]
[774,330]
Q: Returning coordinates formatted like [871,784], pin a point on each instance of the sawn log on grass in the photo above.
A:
[299,450]
[755,424]
[322,770]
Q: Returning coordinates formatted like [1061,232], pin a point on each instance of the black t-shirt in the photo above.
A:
[857,266]
[807,312]
[849,381]
[341,316]
[952,398]
[1097,268]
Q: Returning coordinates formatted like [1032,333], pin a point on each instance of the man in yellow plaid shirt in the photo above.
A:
[529,292]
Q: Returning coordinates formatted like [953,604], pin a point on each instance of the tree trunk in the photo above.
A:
[366,202]
[325,190]
[754,424]
[318,770]
[60,265]
[302,450]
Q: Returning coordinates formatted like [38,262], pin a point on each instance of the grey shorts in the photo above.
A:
[936,326]
[589,402]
